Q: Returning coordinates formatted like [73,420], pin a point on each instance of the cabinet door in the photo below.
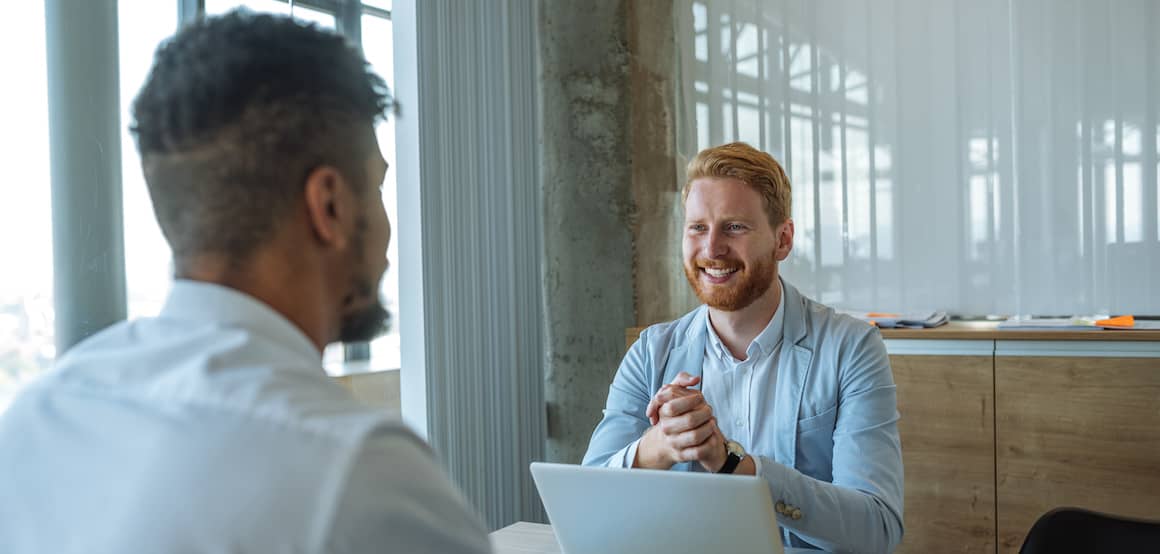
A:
[948,448]
[1075,431]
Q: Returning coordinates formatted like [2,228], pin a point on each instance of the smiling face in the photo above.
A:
[731,250]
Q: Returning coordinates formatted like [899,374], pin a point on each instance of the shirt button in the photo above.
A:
[739,423]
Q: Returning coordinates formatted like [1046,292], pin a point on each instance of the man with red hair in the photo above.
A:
[761,380]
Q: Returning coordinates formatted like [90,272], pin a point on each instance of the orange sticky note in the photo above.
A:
[1122,322]
[880,314]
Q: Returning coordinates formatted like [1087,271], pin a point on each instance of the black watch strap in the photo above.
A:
[731,462]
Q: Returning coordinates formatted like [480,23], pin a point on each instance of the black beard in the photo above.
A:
[365,324]
[373,320]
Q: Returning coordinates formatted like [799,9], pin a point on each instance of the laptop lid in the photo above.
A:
[631,511]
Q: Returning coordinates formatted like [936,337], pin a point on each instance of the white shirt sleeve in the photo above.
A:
[624,457]
[397,499]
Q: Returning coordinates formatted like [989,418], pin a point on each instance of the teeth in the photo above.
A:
[719,272]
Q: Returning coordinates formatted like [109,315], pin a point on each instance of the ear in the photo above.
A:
[329,207]
[784,234]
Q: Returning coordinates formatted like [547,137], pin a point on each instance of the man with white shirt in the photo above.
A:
[212,427]
[761,380]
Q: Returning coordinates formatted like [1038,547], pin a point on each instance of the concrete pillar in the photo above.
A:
[658,172]
[611,198]
[588,209]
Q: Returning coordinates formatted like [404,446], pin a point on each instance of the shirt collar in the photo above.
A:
[765,342]
[210,303]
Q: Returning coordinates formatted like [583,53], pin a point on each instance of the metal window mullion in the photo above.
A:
[189,11]
[348,21]
[377,12]
[332,6]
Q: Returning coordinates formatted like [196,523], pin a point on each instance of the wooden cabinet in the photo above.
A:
[378,389]
[1000,426]
[948,450]
[1075,431]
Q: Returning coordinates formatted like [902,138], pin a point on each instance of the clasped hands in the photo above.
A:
[683,429]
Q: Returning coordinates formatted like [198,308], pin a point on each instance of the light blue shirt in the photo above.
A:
[741,392]
[829,445]
[213,428]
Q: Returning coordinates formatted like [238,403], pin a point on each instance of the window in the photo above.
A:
[142,24]
[27,331]
[299,10]
[26,284]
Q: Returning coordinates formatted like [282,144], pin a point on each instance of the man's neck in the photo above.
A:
[265,278]
[737,329]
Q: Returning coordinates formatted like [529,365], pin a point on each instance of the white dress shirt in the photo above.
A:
[212,428]
[741,393]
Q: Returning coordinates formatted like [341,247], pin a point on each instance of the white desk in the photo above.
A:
[525,538]
[537,538]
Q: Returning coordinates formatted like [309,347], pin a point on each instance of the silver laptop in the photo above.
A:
[611,511]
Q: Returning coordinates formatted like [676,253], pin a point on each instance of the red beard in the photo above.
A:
[742,289]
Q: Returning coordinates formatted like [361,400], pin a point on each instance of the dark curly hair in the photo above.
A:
[236,112]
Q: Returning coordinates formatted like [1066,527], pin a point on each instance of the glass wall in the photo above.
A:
[991,157]
[26,293]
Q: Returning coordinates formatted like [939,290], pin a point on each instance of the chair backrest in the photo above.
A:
[630,336]
[1067,530]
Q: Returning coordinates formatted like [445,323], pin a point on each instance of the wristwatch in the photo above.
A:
[734,454]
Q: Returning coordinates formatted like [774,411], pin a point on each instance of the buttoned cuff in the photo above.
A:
[777,475]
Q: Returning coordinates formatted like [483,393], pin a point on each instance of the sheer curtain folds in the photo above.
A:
[991,157]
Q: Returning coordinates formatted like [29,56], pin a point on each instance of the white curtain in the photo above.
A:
[471,320]
[982,157]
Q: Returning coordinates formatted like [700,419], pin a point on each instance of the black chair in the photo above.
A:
[1068,530]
